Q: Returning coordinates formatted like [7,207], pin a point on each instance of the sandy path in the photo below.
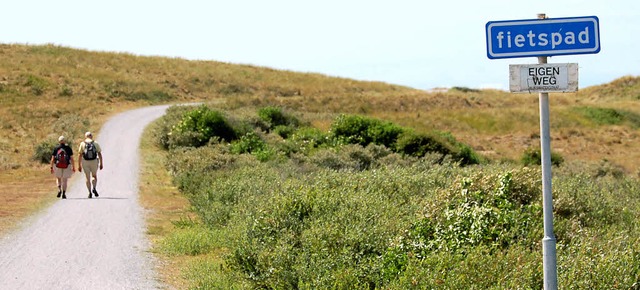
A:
[82,243]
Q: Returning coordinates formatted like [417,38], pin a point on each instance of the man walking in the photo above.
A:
[61,158]
[90,158]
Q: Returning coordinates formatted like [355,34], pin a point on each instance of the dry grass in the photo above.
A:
[163,204]
[22,192]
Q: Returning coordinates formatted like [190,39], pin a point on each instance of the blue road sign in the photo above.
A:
[543,37]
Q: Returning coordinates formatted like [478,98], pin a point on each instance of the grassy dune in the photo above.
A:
[48,90]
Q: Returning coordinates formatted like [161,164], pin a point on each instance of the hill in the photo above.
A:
[49,90]
[45,89]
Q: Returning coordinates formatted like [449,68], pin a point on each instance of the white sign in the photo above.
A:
[542,78]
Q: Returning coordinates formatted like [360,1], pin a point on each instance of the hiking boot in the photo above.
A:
[64,196]
[89,194]
[59,193]
[95,192]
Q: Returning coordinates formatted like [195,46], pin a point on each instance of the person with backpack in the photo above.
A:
[61,160]
[90,158]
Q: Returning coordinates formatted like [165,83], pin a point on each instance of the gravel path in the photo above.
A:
[82,243]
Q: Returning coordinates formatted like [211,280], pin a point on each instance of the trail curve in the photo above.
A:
[82,243]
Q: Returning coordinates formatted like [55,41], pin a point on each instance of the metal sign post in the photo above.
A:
[549,263]
[541,38]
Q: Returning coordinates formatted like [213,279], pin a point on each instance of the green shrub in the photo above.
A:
[283,131]
[533,156]
[384,133]
[248,143]
[478,268]
[495,212]
[466,155]
[361,130]
[162,127]
[428,224]
[42,151]
[37,84]
[214,192]
[460,152]
[352,129]
[491,210]
[198,126]
[415,144]
[323,230]
[420,144]
[275,116]
[595,206]
[308,138]
[340,215]
[600,260]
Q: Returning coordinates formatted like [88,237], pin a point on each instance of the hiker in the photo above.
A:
[90,158]
[61,158]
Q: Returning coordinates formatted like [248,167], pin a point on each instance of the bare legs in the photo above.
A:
[91,181]
[62,186]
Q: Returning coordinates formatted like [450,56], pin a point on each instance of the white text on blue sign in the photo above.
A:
[523,38]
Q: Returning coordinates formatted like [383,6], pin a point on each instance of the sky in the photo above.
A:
[416,43]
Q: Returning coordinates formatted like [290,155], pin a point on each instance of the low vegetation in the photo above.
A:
[351,209]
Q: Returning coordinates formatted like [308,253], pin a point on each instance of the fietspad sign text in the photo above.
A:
[547,37]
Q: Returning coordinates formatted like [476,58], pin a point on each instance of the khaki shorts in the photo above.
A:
[90,166]
[63,172]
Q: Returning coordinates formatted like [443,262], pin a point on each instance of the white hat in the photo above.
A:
[61,138]
[88,134]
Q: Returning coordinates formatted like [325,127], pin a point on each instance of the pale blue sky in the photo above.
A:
[421,44]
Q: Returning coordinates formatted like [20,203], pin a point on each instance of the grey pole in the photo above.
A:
[549,240]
